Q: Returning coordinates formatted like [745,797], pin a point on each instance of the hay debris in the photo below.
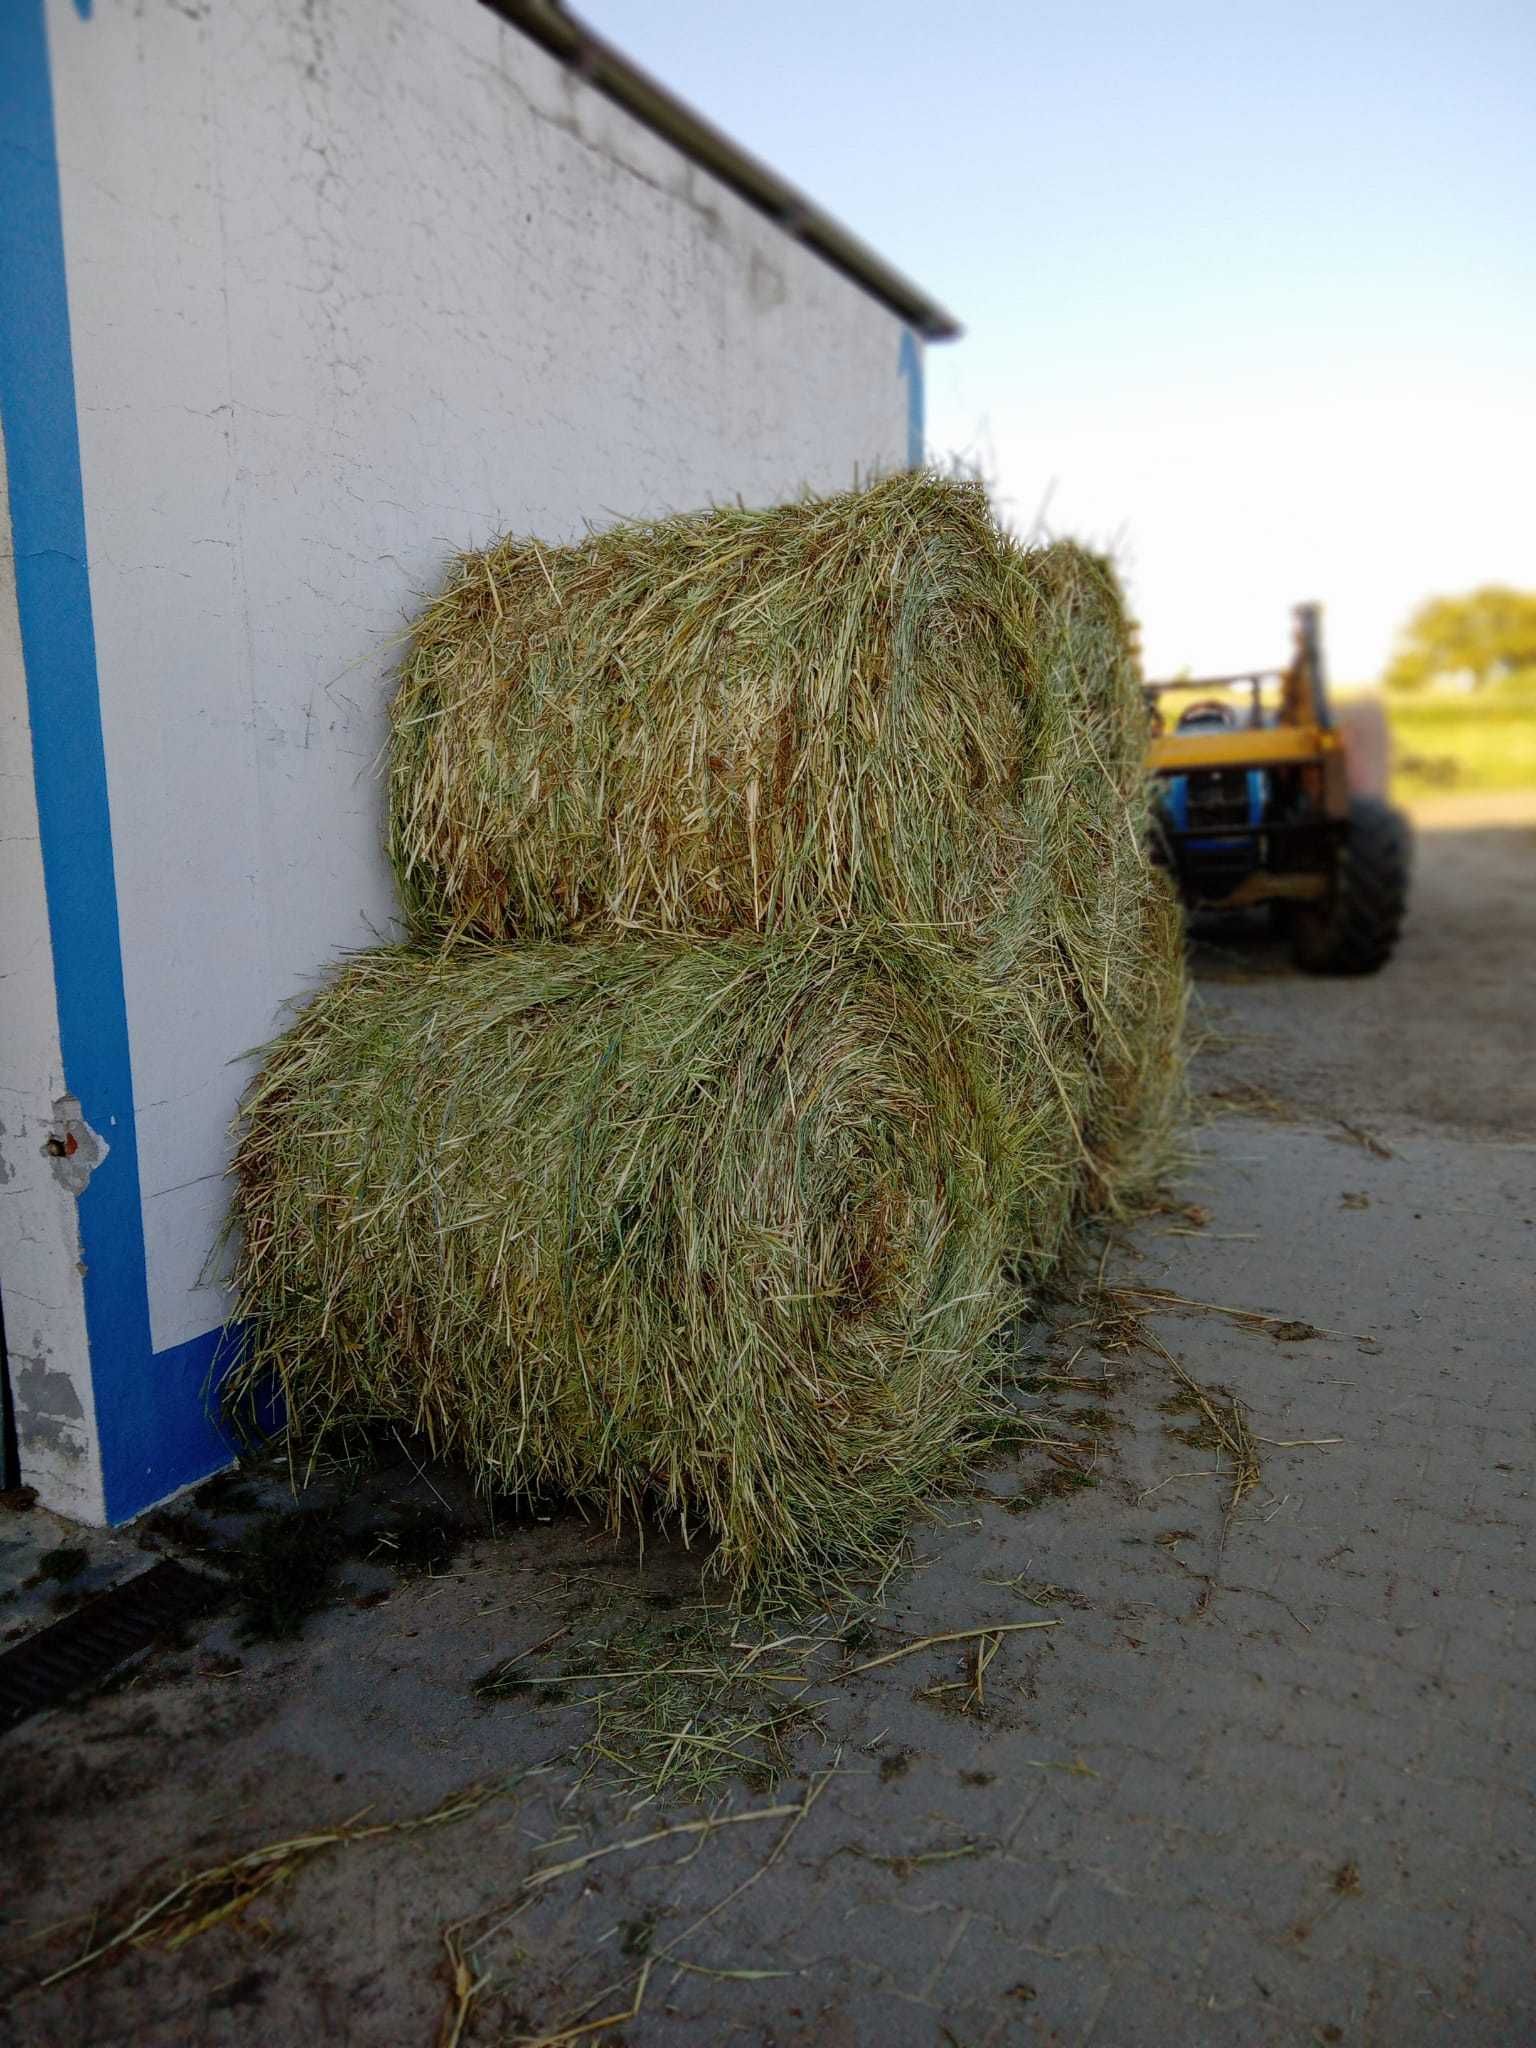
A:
[1223,1428]
[678,1709]
[1162,1301]
[1366,1140]
[208,1897]
[709,1825]
[959,1635]
[465,1938]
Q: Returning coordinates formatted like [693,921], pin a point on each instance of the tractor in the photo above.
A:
[1253,805]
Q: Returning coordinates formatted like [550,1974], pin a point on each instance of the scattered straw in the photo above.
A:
[208,1897]
[958,1635]
[1158,1297]
[711,1824]
[919,1859]
[1366,1140]
[1225,1418]
[731,1976]
[1246,1098]
[580,2026]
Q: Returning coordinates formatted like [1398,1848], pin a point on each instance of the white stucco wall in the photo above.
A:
[352,284]
[39,1226]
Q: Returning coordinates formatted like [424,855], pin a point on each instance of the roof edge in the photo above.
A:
[613,74]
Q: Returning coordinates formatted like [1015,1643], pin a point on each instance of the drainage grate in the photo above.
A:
[81,1648]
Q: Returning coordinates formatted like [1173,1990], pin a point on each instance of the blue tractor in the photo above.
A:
[1254,806]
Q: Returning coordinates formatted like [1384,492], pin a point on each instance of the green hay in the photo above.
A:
[853,707]
[872,706]
[875,998]
[715,1228]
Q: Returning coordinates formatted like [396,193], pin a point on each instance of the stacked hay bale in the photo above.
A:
[788,977]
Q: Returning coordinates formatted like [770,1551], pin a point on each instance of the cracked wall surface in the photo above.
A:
[353,285]
[39,1228]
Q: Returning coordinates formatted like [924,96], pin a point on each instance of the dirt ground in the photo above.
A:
[1226,1740]
[1444,1042]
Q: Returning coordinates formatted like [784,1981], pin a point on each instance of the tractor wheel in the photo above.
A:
[1355,931]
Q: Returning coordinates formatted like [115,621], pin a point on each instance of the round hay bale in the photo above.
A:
[868,706]
[1137,1097]
[716,1227]
[1085,1014]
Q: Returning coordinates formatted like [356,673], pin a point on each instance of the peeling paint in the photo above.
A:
[73,1150]
[39,1218]
[49,1411]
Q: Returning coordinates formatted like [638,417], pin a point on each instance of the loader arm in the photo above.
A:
[1253,806]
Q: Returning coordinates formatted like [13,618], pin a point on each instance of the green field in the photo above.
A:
[1448,742]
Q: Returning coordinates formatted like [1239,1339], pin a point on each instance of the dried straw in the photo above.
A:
[876,996]
[716,1227]
[846,708]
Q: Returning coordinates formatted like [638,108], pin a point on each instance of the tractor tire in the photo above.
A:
[1355,931]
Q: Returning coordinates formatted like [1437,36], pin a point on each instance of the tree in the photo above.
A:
[1488,635]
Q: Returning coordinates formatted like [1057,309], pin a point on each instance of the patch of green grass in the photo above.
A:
[1448,742]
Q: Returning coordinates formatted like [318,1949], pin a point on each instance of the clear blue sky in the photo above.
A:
[1249,289]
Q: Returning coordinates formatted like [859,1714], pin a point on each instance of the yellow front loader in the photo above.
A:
[1254,805]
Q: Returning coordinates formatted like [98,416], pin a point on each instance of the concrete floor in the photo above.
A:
[1265,1779]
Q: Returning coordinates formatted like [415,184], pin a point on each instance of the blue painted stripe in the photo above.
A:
[154,1427]
[909,363]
